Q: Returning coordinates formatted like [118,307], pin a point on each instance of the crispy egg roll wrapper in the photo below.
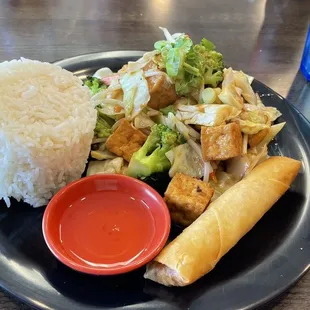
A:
[201,245]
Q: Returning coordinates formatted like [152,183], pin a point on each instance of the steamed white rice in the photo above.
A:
[46,128]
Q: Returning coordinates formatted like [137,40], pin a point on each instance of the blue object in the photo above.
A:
[305,61]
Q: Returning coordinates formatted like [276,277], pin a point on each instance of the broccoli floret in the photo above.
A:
[151,158]
[213,79]
[208,45]
[94,84]
[188,65]
[214,60]
[103,126]
[214,68]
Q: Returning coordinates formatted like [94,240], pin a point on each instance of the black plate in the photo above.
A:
[269,259]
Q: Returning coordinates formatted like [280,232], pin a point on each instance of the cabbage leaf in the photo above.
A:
[136,93]
[206,114]
[184,160]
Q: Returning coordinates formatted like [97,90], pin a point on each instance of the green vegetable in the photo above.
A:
[208,95]
[166,110]
[103,125]
[214,68]
[189,65]
[94,84]
[207,44]
[151,157]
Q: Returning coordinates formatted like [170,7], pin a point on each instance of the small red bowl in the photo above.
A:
[106,224]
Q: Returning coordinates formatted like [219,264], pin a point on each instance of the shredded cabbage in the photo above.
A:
[249,77]
[99,140]
[134,66]
[102,154]
[207,170]
[242,82]
[111,107]
[268,113]
[116,125]
[114,85]
[136,93]
[97,98]
[273,131]
[242,165]
[223,182]
[255,118]
[184,160]
[175,124]
[251,128]
[206,114]
[190,134]
[106,166]
[142,120]
[196,147]
[235,86]
[151,112]
[229,94]
[245,144]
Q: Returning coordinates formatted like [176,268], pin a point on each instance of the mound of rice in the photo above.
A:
[46,128]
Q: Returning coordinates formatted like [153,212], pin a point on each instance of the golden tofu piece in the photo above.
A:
[221,142]
[162,91]
[125,140]
[258,137]
[187,198]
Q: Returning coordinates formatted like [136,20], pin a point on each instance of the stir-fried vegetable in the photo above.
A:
[243,165]
[206,114]
[94,84]
[184,160]
[114,165]
[171,95]
[103,125]
[102,155]
[222,182]
[151,157]
[242,82]
[210,95]
[142,121]
[136,93]
[189,65]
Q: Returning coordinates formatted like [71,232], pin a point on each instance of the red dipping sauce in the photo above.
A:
[111,232]
[106,224]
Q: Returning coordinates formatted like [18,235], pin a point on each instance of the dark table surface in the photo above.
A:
[265,38]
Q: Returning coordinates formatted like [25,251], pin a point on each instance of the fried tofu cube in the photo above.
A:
[258,137]
[125,140]
[221,142]
[162,91]
[187,198]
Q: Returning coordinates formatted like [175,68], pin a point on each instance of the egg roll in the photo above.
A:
[198,249]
